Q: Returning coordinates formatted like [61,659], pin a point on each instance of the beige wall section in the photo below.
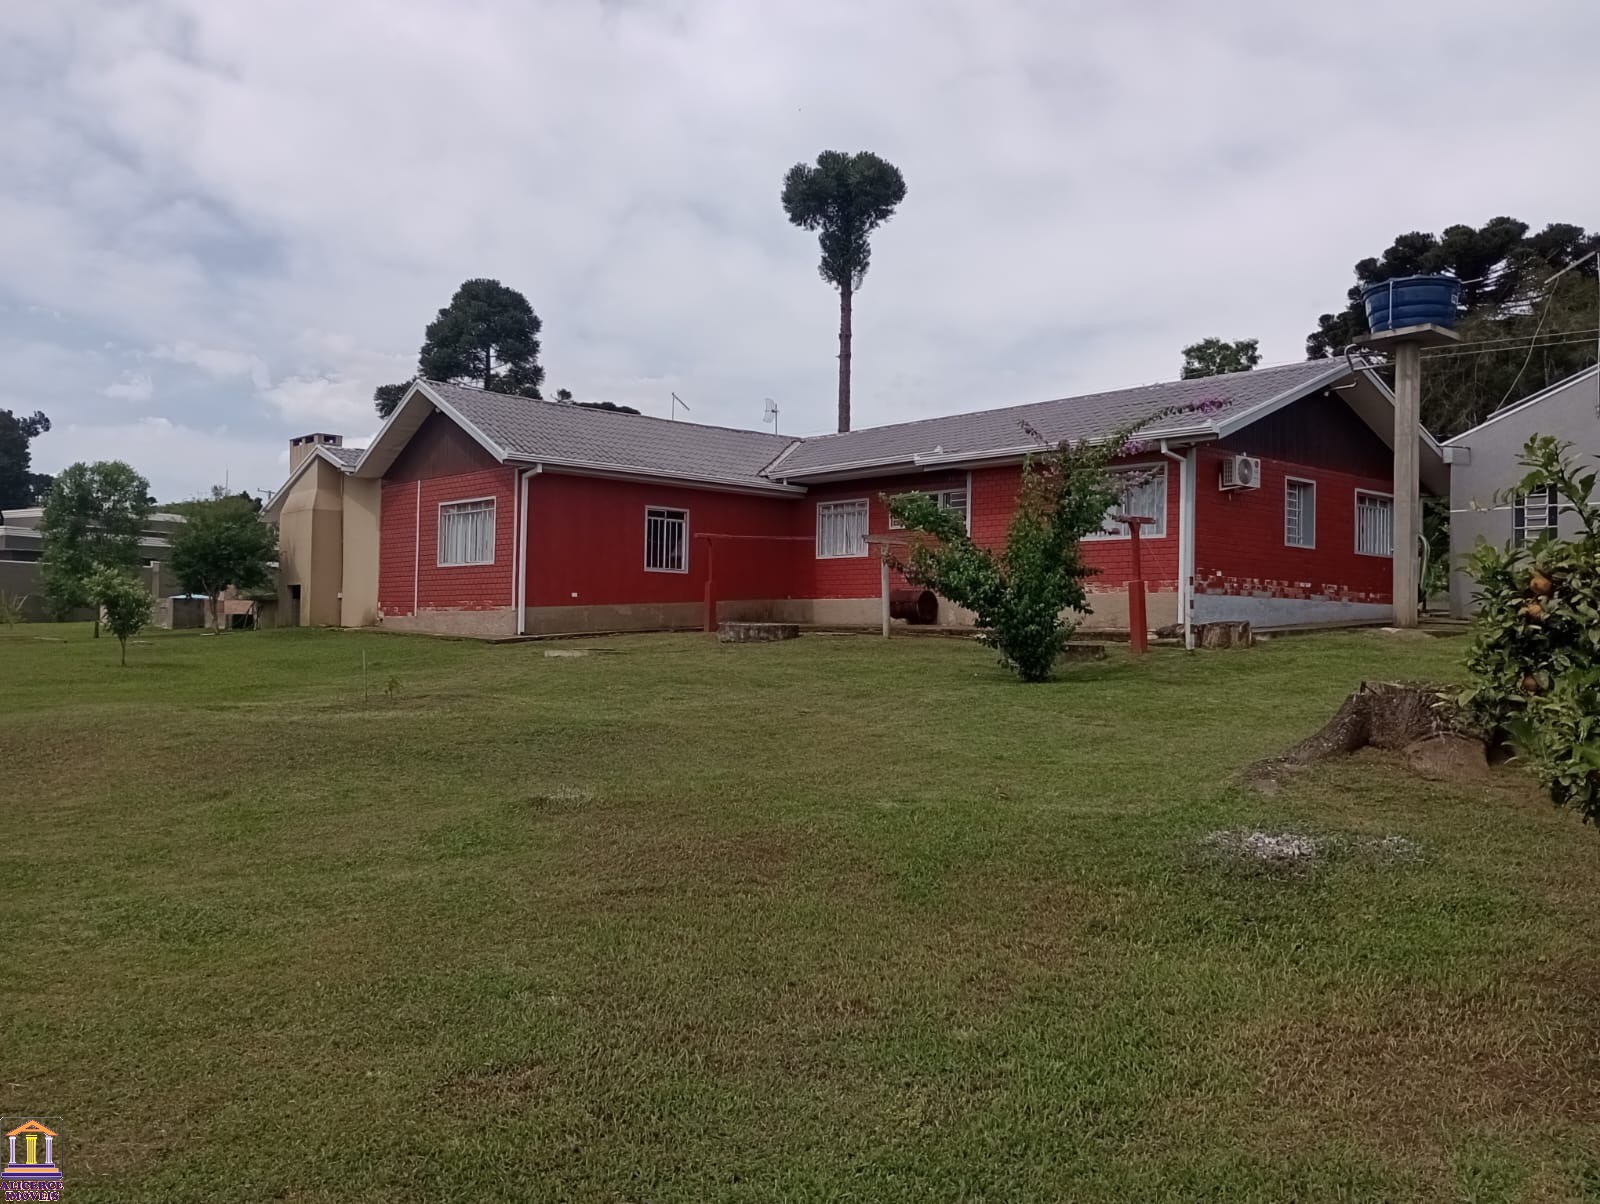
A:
[501,621]
[647,616]
[1110,614]
[311,547]
[359,605]
[1111,610]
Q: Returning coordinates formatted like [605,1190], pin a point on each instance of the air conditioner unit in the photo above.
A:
[1240,472]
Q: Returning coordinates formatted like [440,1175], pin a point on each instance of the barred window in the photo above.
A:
[1299,513]
[841,529]
[953,501]
[466,532]
[1374,524]
[666,540]
[1534,514]
[1143,494]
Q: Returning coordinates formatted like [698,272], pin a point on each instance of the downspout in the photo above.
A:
[522,546]
[1186,503]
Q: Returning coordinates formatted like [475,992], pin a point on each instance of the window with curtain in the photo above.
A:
[1143,493]
[466,532]
[1374,524]
[1299,513]
[841,529]
[666,540]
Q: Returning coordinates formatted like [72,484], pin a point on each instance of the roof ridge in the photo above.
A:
[593,409]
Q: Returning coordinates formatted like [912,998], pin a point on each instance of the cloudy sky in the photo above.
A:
[221,224]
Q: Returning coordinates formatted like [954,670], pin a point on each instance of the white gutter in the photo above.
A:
[522,546]
[1187,464]
[624,472]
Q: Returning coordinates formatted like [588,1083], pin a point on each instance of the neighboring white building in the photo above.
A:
[22,544]
[1484,469]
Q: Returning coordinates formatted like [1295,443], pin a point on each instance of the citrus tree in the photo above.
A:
[1534,661]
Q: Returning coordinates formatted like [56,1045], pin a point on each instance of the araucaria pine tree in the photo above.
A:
[845,198]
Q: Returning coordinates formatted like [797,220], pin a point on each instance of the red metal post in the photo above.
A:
[1138,621]
[711,584]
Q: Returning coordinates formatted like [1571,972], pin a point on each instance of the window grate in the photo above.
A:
[1535,514]
[1299,514]
[954,501]
[1374,524]
[666,540]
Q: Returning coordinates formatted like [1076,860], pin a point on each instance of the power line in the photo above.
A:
[1544,311]
[1549,341]
[1520,338]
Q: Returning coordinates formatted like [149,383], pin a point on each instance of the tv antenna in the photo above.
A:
[676,402]
[770,414]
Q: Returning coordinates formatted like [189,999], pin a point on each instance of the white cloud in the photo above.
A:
[133,386]
[274,200]
[323,401]
[220,362]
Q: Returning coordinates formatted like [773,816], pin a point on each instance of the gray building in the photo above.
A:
[1484,468]
[21,545]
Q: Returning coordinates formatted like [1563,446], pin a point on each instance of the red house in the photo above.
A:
[500,515]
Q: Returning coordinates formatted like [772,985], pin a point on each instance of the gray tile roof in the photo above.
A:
[1089,417]
[555,432]
[346,456]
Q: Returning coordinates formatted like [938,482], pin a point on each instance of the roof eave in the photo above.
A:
[625,471]
[402,412]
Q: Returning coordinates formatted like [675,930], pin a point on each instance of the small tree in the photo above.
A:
[1534,661]
[124,601]
[1020,594]
[1213,357]
[93,518]
[223,544]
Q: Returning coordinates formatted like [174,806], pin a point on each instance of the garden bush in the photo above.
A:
[1534,661]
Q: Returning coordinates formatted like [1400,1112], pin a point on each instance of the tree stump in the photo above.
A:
[1229,633]
[1437,738]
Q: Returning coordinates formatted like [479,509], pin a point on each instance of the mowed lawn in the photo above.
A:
[836,919]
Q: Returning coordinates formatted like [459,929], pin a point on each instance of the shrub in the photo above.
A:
[1019,594]
[1534,661]
[124,601]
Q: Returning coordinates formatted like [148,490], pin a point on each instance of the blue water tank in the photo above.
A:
[1411,301]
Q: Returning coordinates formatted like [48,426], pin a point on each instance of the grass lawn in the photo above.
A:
[830,920]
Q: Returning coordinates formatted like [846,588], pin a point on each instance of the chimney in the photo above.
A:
[302,446]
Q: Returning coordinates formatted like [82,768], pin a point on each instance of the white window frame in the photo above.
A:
[438,533]
[683,547]
[865,507]
[1522,532]
[1155,530]
[941,496]
[1356,514]
[1288,485]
